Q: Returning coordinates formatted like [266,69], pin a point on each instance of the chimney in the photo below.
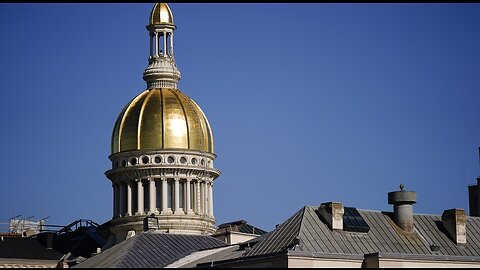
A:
[332,213]
[402,207]
[473,199]
[455,223]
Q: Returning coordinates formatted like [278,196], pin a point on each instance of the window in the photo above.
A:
[133,161]
[183,160]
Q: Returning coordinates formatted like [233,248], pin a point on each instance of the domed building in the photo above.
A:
[162,149]
[162,175]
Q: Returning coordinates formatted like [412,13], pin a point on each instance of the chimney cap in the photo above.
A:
[402,196]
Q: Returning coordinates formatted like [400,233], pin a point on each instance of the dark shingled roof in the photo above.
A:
[242,226]
[384,236]
[150,250]
[26,248]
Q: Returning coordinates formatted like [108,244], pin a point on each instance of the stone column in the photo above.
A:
[197,196]
[205,192]
[153,198]
[140,207]
[122,199]
[115,200]
[210,197]
[165,43]
[156,44]
[187,208]
[207,199]
[171,43]
[202,198]
[151,44]
[164,196]
[129,198]
[176,199]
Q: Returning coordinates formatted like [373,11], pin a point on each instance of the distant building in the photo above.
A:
[18,252]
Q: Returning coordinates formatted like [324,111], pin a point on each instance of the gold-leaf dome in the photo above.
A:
[162,118]
[161,14]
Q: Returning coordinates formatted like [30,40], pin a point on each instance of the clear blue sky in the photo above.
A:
[308,103]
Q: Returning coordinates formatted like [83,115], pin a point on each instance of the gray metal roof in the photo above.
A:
[384,236]
[207,256]
[150,250]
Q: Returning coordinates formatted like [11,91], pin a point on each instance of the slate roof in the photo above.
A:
[313,235]
[26,248]
[150,250]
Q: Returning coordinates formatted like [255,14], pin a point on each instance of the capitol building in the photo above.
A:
[162,148]
[163,176]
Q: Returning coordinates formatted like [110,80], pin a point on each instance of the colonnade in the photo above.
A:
[158,40]
[163,196]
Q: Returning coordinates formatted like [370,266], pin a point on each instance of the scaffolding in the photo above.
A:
[26,226]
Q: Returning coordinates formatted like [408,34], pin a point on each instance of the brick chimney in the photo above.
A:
[455,223]
[403,207]
[332,213]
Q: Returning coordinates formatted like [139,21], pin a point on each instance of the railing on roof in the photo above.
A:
[81,223]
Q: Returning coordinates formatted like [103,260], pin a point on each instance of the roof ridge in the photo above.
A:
[128,246]
[302,218]
[281,237]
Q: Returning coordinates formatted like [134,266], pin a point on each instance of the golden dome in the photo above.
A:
[161,14]
[162,118]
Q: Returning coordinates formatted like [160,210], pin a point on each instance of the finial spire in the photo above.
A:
[162,71]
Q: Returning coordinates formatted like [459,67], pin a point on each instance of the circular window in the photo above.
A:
[158,159]
[194,161]
[124,163]
[170,159]
[133,161]
[183,160]
[145,160]
[202,162]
